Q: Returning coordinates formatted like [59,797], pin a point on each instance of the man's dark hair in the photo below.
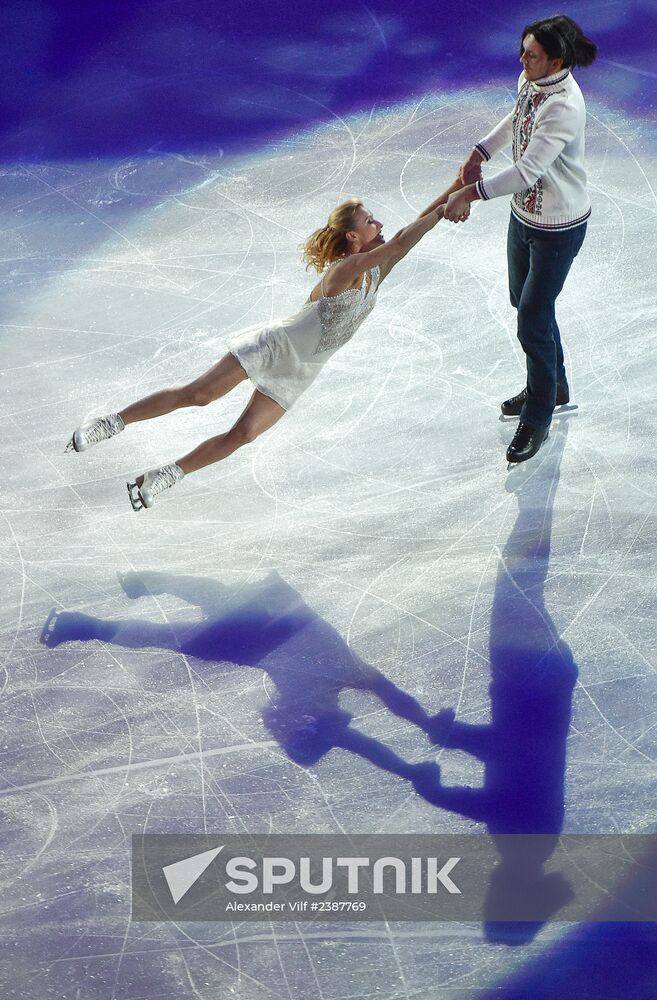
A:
[562,38]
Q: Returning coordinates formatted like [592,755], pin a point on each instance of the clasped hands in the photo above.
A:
[457,206]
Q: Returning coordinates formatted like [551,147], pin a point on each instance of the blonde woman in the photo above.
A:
[284,358]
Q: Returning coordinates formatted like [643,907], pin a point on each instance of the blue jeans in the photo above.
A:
[539,262]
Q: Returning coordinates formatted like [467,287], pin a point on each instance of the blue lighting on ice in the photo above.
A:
[361,624]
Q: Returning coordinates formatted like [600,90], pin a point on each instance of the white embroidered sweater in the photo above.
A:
[548,178]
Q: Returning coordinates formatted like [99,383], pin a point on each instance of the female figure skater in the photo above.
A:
[283,359]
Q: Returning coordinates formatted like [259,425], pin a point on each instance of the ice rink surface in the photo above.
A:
[260,651]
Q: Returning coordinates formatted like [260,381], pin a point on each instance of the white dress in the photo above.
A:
[284,359]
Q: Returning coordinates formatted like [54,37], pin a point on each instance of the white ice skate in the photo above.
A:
[152,484]
[99,429]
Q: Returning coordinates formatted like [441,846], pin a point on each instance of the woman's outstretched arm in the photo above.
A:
[390,253]
[437,207]
[442,199]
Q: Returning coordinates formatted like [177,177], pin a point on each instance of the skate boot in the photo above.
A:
[142,493]
[99,429]
[512,407]
[526,442]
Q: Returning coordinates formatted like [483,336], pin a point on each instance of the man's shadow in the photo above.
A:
[523,748]
[266,625]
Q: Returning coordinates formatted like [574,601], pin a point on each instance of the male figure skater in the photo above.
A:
[549,210]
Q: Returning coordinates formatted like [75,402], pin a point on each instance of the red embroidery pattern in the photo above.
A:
[524,117]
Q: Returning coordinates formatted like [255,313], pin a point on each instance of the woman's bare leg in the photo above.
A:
[213,384]
[260,414]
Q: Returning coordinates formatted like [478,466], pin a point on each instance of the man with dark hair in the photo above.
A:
[549,210]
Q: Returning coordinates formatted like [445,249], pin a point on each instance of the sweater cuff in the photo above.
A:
[481,191]
[482,149]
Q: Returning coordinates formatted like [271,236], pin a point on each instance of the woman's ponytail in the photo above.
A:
[330,242]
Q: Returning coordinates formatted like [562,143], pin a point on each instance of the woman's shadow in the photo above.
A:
[266,625]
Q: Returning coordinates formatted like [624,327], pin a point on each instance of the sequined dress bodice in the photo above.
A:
[341,315]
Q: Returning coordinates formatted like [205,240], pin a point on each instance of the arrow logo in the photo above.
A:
[182,875]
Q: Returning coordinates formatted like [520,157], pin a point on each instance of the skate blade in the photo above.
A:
[557,412]
[135,496]
[70,447]
[566,408]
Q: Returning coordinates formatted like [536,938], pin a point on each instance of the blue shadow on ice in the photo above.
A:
[593,962]
[523,747]
[269,626]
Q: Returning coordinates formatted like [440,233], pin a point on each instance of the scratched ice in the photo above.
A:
[366,563]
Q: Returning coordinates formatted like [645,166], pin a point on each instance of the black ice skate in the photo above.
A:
[512,407]
[526,442]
